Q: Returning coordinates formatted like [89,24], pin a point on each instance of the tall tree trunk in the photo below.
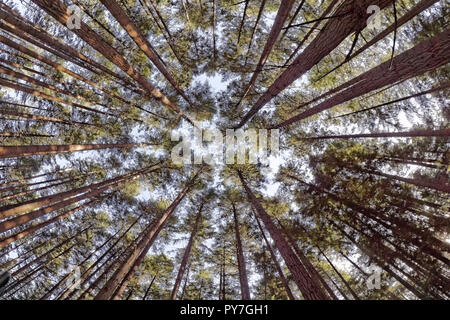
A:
[405,134]
[245,291]
[16,209]
[426,56]
[275,261]
[58,10]
[114,287]
[282,14]
[355,296]
[308,287]
[142,42]
[32,150]
[260,11]
[242,21]
[186,255]
[312,270]
[63,50]
[351,16]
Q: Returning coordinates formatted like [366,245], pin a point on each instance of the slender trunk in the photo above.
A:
[426,56]
[114,287]
[294,16]
[355,296]
[275,261]
[437,185]
[70,53]
[306,285]
[58,10]
[186,255]
[242,21]
[352,17]
[312,270]
[31,150]
[282,14]
[416,10]
[404,134]
[260,11]
[7,211]
[149,287]
[245,291]
[142,42]
[16,86]
[314,27]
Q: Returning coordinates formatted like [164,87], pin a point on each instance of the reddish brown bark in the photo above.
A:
[142,42]
[58,10]
[186,255]
[245,291]
[352,17]
[427,55]
[307,286]
[115,286]
[282,14]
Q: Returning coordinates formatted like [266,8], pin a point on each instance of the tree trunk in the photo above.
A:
[186,255]
[142,42]
[58,10]
[351,17]
[275,261]
[426,56]
[114,287]
[282,14]
[306,285]
[405,134]
[245,291]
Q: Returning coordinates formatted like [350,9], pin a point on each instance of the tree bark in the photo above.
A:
[352,18]
[245,291]
[306,285]
[186,255]
[426,56]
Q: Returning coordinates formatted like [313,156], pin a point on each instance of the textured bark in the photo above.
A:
[242,21]
[426,56]
[186,255]
[58,284]
[355,296]
[314,27]
[142,42]
[406,134]
[442,186]
[58,10]
[31,80]
[307,286]
[148,289]
[16,209]
[245,291]
[258,17]
[115,286]
[63,50]
[352,18]
[275,261]
[31,150]
[85,276]
[282,14]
